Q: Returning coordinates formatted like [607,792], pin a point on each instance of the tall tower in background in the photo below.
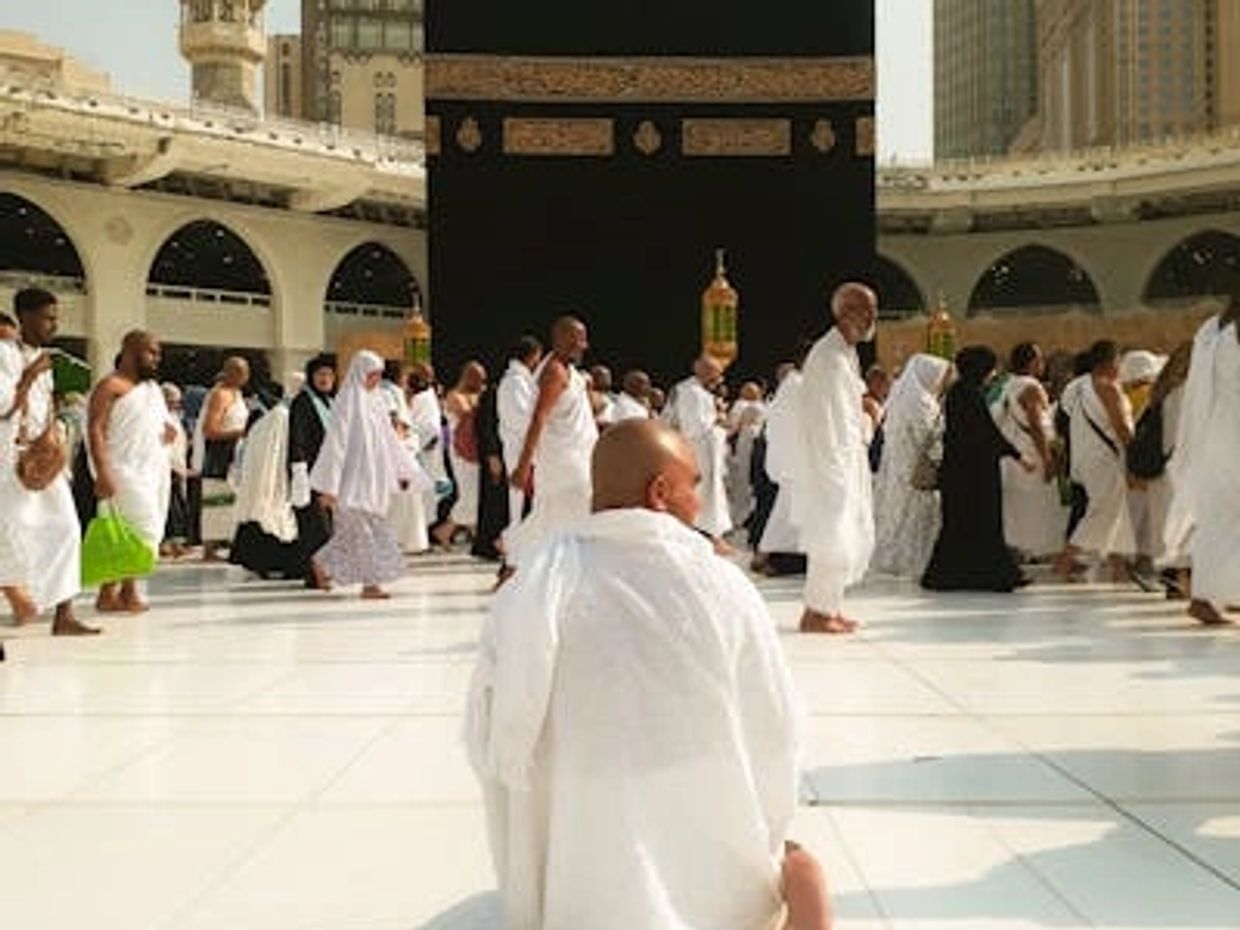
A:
[1122,72]
[362,64]
[225,42]
[985,75]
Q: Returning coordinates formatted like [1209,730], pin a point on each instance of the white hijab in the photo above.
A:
[915,395]
[362,461]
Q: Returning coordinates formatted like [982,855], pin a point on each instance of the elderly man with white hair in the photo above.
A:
[832,500]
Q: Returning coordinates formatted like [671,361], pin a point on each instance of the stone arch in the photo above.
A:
[1033,278]
[207,259]
[36,248]
[1205,264]
[899,294]
[372,280]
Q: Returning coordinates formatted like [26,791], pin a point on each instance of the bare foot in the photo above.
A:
[1068,569]
[71,626]
[814,622]
[373,592]
[110,603]
[722,548]
[319,577]
[24,609]
[1205,613]
[136,605]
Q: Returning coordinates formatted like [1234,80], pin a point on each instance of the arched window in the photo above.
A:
[1034,279]
[206,261]
[898,294]
[1201,266]
[372,280]
[34,248]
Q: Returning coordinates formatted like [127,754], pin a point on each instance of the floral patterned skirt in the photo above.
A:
[362,550]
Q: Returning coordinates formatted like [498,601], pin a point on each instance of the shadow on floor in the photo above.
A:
[481,912]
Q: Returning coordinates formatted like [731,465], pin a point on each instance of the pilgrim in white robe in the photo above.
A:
[407,511]
[696,415]
[138,454]
[361,465]
[517,394]
[467,474]
[628,407]
[832,490]
[745,422]
[783,422]
[562,482]
[426,425]
[1099,465]
[635,730]
[1203,469]
[47,564]
[1172,541]
[1035,520]
[907,519]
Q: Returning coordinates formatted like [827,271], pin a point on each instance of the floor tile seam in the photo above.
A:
[1131,817]
[380,734]
[1031,868]
[195,899]
[855,862]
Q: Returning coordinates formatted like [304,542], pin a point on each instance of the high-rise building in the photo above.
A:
[985,75]
[1120,72]
[282,81]
[362,64]
[225,43]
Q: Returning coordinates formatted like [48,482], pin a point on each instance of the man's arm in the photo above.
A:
[1113,403]
[1033,402]
[552,384]
[25,380]
[102,398]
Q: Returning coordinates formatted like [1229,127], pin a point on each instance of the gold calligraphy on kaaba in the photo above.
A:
[432,135]
[867,141]
[559,136]
[736,137]
[649,80]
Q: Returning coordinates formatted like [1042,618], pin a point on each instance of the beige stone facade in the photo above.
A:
[225,43]
[23,54]
[282,78]
[1124,72]
[985,75]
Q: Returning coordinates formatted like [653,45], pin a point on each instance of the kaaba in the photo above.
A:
[589,158]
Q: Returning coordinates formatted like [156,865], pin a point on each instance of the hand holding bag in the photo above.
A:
[113,550]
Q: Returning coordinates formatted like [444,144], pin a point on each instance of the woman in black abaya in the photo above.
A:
[309,415]
[970,554]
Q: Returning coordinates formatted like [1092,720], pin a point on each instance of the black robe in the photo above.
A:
[492,491]
[305,438]
[971,554]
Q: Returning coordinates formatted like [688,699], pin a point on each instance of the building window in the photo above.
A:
[369,33]
[286,89]
[398,35]
[342,32]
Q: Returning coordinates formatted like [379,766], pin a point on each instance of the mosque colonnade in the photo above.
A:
[205,272]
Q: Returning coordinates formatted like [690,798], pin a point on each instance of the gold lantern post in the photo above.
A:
[941,331]
[417,336]
[720,308]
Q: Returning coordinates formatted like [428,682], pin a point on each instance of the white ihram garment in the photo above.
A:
[426,425]
[46,563]
[629,408]
[467,475]
[139,458]
[263,493]
[697,417]
[562,486]
[1100,466]
[1034,518]
[783,423]
[832,491]
[514,404]
[407,510]
[1203,469]
[633,723]
[907,519]
[1172,544]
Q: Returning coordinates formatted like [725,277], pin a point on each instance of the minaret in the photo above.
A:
[225,42]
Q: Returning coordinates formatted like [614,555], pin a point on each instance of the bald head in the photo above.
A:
[708,371]
[570,339]
[236,373]
[140,355]
[645,464]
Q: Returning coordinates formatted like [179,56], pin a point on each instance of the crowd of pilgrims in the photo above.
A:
[981,467]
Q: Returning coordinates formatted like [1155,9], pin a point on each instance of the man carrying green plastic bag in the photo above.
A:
[127,434]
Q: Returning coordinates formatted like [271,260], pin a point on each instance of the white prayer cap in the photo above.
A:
[172,393]
[294,381]
[1136,367]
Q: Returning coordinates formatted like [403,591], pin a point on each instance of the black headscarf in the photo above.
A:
[316,364]
[975,364]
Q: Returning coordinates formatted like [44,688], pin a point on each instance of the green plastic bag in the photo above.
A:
[113,550]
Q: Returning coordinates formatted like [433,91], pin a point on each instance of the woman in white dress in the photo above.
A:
[907,519]
[1034,518]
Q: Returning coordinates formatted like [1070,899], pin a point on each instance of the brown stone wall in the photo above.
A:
[1158,330]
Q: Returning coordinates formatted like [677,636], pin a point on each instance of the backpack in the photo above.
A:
[1146,459]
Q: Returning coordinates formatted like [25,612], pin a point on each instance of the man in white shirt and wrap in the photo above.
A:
[47,565]
[695,412]
[633,722]
[518,391]
[127,435]
[1203,469]
[832,494]
[555,458]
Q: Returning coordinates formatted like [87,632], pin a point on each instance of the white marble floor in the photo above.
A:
[252,756]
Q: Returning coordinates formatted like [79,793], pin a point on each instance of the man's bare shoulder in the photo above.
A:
[114,385]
